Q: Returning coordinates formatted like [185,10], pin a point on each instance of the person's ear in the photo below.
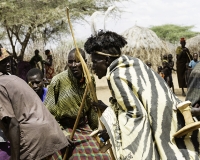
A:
[107,61]
[44,80]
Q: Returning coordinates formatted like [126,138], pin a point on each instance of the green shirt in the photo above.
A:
[64,98]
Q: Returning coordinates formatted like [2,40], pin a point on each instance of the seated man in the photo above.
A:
[144,110]
[63,100]
[32,131]
[35,79]
[5,151]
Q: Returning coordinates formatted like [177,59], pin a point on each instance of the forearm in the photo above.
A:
[195,111]
[14,136]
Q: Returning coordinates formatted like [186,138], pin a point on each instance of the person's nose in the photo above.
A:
[34,85]
[74,64]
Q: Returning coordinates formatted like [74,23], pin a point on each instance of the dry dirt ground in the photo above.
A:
[103,92]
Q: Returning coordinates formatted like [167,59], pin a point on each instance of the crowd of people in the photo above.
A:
[185,63]
[36,120]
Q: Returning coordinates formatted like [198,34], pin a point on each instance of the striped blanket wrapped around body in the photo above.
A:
[144,117]
[193,93]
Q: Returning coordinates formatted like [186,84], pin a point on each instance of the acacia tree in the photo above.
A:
[23,20]
[173,33]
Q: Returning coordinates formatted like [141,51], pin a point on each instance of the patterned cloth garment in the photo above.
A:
[49,68]
[145,115]
[63,100]
[55,156]
[64,97]
[86,147]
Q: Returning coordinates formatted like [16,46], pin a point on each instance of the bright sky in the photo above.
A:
[146,13]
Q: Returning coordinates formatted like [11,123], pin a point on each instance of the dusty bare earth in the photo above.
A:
[103,92]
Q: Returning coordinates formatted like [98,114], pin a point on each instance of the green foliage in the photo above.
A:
[173,33]
[28,20]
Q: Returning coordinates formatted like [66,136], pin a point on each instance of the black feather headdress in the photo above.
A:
[104,40]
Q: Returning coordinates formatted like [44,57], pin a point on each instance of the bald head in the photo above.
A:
[74,64]
[73,52]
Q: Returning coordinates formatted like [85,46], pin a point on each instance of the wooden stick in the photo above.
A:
[87,75]
[77,120]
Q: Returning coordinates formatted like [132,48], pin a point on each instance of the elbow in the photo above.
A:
[14,123]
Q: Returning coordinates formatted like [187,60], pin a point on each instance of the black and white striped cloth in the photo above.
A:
[143,120]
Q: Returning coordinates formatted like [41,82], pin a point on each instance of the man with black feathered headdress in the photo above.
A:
[143,116]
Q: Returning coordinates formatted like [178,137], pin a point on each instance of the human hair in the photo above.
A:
[106,42]
[47,51]
[170,56]
[82,52]
[37,51]
[148,63]
[194,54]
[34,71]
[165,56]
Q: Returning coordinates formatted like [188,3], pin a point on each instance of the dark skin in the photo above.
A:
[183,43]
[5,66]
[100,65]
[11,125]
[37,83]
[195,57]
[49,62]
[12,130]
[184,50]
[171,63]
[75,66]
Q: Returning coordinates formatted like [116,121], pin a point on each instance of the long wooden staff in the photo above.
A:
[77,120]
[87,74]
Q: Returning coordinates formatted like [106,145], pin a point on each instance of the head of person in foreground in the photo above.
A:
[74,63]
[35,79]
[104,48]
[5,66]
